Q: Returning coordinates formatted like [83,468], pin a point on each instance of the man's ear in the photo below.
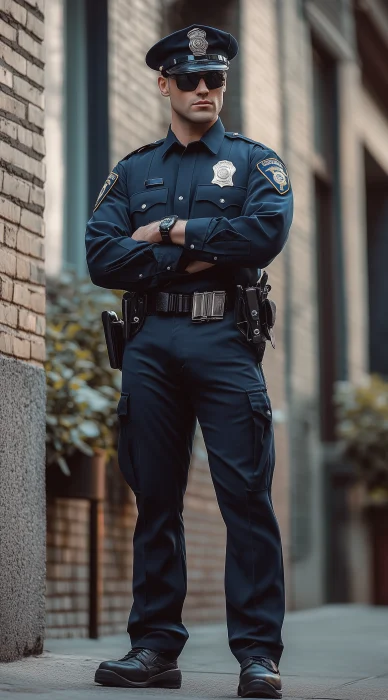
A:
[163,86]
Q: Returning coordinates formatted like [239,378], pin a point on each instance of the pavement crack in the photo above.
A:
[358,680]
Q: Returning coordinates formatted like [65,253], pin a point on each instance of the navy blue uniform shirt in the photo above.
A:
[240,226]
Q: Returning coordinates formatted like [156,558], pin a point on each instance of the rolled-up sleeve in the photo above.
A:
[257,236]
[114,259]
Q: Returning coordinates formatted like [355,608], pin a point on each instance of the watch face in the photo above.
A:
[167,222]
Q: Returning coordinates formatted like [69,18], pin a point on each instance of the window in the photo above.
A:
[77,124]
[328,232]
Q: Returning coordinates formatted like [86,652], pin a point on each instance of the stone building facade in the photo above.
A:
[22,329]
[309,81]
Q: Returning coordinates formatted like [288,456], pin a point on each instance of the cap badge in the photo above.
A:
[198,44]
[223,173]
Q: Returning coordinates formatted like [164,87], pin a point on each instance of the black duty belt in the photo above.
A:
[203,306]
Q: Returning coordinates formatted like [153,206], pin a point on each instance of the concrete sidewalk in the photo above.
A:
[331,653]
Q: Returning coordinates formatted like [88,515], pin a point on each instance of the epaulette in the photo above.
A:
[236,135]
[144,148]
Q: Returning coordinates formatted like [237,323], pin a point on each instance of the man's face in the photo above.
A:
[200,105]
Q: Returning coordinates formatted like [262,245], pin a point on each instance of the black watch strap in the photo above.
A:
[165,234]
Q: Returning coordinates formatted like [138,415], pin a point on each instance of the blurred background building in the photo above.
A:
[310,81]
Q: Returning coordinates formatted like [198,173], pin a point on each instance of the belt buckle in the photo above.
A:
[208,306]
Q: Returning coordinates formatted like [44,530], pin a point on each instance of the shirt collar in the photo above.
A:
[212,139]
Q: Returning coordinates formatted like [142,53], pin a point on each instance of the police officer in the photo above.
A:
[198,211]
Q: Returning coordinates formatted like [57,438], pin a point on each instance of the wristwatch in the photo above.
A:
[165,227]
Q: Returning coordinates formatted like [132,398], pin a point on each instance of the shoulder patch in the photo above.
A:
[107,186]
[275,172]
[144,148]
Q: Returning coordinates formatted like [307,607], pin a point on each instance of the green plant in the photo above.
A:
[82,389]
[362,412]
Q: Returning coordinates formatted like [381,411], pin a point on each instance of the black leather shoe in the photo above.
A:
[140,668]
[259,678]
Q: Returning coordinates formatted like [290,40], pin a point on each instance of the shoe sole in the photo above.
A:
[258,689]
[167,679]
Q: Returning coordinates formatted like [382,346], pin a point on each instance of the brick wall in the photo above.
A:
[135,105]
[67,601]
[67,583]
[22,301]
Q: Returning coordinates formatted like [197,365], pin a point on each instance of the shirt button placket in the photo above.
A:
[182,189]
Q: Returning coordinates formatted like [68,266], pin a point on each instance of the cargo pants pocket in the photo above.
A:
[126,443]
[263,452]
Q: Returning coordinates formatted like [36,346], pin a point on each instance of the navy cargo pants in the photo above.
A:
[175,371]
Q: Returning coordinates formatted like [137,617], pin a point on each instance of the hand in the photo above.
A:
[149,233]
[198,266]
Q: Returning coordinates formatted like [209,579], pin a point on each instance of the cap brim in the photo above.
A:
[198,66]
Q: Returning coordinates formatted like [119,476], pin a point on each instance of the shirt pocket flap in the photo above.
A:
[223,197]
[260,403]
[142,201]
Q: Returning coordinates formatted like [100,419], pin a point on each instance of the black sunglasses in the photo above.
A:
[187,82]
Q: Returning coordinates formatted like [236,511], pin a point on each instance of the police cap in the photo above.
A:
[195,48]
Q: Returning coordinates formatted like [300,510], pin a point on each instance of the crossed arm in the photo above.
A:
[150,234]
[118,258]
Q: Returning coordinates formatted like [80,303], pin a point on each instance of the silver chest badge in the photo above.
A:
[223,173]
[198,44]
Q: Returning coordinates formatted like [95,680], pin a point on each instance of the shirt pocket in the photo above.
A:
[148,206]
[212,200]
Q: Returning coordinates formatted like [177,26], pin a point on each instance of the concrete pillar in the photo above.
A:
[22,329]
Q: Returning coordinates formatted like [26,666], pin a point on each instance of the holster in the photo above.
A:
[134,307]
[114,337]
[117,331]
[255,314]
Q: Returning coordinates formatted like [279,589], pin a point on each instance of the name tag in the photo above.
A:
[153,182]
